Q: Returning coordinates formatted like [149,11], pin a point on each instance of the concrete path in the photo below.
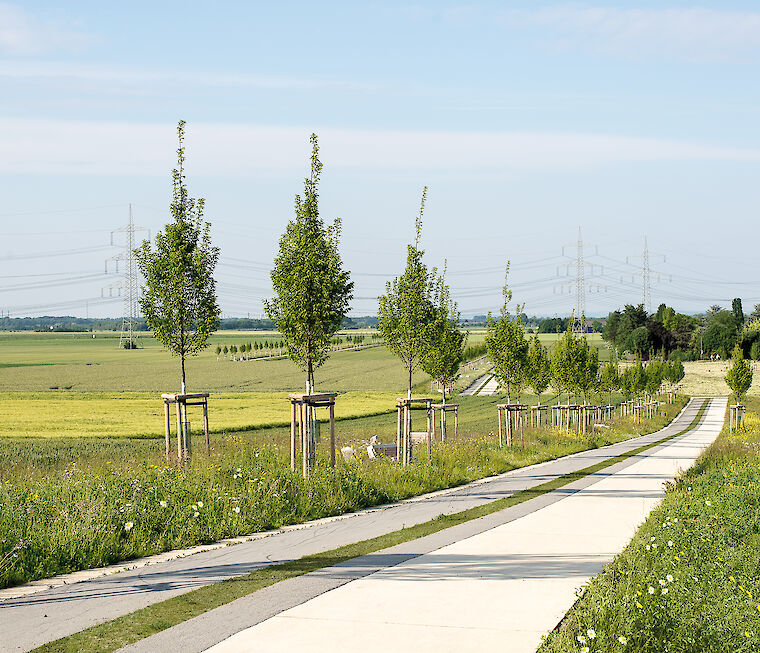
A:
[497,590]
[29,621]
[490,388]
[475,386]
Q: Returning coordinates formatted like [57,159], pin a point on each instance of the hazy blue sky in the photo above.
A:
[525,120]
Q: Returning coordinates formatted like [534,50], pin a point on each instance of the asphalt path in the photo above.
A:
[30,621]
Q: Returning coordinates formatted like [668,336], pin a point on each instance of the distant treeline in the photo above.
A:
[69,324]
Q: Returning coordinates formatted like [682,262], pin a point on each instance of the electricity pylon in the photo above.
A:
[129,285]
[646,274]
[579,312]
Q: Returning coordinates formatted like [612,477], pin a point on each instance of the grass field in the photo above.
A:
[38,362]
[690,578]
[706,378]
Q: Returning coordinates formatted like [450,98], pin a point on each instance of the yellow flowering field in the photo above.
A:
[139,414]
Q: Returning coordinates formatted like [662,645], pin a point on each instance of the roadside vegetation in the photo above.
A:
[69,504]
[690,578]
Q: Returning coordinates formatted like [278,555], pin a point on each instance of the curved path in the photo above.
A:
[29,621]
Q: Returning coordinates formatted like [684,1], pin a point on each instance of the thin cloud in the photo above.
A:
[56,70]
[242,150]
[696,34]
[25,34]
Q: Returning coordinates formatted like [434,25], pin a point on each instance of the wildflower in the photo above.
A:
[585,649]
[669,578]
[651,589]
[675,519]
[162,504]
[638,605]
[200,504]
[654,546]
[648,547]
[623,640]
[581,639]
[670,543]
[236,509]
[591,633]
[195,514]
[651,539]
[662,582]
[708,503]
[128,526]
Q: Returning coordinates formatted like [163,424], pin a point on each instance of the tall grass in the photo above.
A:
[690,579]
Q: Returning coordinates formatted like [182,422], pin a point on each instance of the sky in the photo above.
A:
[527,121]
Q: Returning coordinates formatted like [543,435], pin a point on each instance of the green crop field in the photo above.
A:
[37,362]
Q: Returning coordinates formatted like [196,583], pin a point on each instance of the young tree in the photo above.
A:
[179,295]
[406,309]
[739,375]
[444,350]
[587,367]
[563,363]
[638,377]
[654,372]
[539,369]
[218,351]
[226,350]
[609,378]
[313,292]
[506,345]
[675,371]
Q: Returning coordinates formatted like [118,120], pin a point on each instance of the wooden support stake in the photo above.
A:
[498,411]
[167,430]
[180,448]
[429,433]
[293,424]
[205,426]
[304,440]
[332,435]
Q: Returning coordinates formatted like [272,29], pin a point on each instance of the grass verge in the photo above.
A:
[690,578]
[143,623]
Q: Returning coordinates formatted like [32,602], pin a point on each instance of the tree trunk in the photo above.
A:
[182,363]
[409,390]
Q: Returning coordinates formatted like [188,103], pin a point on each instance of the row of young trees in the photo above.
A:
[418,318]
[572,366]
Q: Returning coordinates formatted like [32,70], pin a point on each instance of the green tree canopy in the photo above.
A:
[179,294]
[721,333]
[407,309]
[739,375]
[444,341]
[609,378]
[655,373]
[312,290]
[506,345]
[539,368]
